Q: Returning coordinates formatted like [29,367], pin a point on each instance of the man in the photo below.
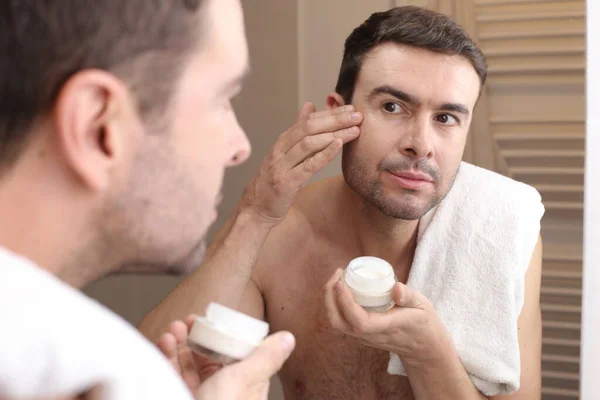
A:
[416,77]
[115,129]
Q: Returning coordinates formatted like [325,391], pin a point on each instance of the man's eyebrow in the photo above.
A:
[397,93]
[455,107]
[410,99]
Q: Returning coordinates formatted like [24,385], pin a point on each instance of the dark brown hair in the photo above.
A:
[412,26]
[43,43]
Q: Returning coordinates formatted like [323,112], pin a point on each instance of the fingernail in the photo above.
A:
[288,342]
[338,274]
[356,116]
[353,131]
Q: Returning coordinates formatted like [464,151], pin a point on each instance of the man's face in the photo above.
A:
[161,217]
[417,108]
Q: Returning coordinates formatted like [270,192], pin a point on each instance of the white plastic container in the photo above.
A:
[225,335]
[371,280]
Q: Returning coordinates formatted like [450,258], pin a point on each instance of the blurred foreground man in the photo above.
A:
[115,129]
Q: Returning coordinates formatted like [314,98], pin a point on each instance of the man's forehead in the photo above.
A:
[223,50]
[225,29]
[415,71]
[389,52]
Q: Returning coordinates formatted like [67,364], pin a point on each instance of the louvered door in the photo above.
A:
[530,125]
[536,122]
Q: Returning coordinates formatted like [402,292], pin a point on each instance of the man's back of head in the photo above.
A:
[116,126]
[115,129]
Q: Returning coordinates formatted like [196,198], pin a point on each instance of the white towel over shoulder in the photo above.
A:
[472,254]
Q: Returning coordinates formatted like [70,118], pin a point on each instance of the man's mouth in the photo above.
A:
[412,180]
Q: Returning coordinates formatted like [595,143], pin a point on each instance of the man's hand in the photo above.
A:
[247,379]
[192,367]
[299,153]
[411,329]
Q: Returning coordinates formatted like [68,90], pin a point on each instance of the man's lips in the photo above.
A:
[411,180]
[417,176]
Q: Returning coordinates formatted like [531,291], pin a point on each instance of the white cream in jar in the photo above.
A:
[371,280]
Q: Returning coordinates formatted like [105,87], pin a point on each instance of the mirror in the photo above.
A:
[530,124]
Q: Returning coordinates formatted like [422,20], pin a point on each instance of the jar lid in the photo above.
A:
[228,332]
[370,275]
[238,324]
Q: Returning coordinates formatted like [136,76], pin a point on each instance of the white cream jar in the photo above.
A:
[371,280]
[225,335]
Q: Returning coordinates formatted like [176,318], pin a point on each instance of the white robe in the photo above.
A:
[55,341]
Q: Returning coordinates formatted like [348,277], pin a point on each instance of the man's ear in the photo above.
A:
[334,100]
[92,122]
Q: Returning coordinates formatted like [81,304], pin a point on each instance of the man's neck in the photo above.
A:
[379,235]
[37,222]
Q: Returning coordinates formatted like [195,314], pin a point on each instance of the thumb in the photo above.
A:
[268,358]
[406,297]
[306,110]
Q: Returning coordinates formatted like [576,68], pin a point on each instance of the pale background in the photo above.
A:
[590,384]
[530,125]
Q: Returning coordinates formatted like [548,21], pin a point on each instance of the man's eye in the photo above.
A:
[391,108]
[446,119]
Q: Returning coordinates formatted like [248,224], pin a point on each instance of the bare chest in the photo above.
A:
[326,363]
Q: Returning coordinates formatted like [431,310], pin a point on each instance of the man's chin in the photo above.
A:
[405,209]
[191,262]
[182,267]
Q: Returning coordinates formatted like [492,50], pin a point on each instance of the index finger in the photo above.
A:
[335,111]
[189,321]
[335,319]
[314,126]
[167,343]
[307,109]
[205,367]
[355,316]
[361,321]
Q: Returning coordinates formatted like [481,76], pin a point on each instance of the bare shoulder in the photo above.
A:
[315,190]
[312,207]
[297,232]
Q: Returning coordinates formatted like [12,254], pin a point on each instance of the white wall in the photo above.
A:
[590,351]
